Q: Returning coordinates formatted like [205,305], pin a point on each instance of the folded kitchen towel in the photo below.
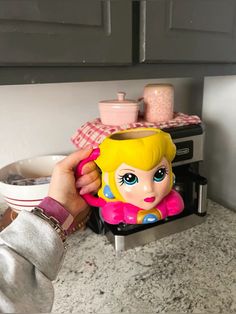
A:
[94,132]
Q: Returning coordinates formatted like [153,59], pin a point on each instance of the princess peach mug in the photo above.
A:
[137,177]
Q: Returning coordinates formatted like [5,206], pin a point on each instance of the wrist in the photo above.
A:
[56,215]
[66,221]
[53,222]
[72,206]
[53,208]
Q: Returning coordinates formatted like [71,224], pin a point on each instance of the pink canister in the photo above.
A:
[118,111]
[158,102]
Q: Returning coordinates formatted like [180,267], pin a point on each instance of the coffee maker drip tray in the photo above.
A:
[124,238]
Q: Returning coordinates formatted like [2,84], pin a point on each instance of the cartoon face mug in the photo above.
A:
[137,177]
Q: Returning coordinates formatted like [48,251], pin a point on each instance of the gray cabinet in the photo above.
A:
[188,31]
[86,40]
[60,32]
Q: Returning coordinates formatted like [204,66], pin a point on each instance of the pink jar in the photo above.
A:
[158,102]
[118,111]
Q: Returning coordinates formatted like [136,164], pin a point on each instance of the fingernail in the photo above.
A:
[82,191]
[78,183]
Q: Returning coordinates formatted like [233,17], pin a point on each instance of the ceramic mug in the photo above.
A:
[137,177]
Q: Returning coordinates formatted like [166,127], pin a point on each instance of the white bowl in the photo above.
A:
[26,197]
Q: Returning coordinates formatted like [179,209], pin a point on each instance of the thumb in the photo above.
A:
[71,161]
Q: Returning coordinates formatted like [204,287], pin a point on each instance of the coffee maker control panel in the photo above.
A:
[189,141]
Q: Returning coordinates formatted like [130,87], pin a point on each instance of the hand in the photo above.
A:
[64,188]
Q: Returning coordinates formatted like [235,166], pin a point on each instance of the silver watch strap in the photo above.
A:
[52,221]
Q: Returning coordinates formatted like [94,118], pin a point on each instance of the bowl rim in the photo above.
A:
[25,160]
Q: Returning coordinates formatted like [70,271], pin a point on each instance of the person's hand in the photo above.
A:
[64,187]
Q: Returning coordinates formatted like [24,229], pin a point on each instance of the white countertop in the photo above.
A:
[192,271]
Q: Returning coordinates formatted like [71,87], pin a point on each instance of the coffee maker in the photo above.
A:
[189,141]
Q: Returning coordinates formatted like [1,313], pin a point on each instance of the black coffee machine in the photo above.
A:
[189,141]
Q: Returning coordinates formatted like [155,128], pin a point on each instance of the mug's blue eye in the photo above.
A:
[128,178]
[160,175]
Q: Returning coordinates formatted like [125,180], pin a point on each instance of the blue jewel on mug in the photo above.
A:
[107,192]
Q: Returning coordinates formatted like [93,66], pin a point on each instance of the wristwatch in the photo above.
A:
[60,219]
[56,215]
[52,221]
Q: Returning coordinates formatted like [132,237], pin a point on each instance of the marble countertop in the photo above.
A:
[192,271]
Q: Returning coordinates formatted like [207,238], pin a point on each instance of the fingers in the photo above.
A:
[89,167]
[88,178]
[90,181]
[92,187]
[71,161]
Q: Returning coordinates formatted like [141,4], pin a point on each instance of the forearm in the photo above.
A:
[31,253]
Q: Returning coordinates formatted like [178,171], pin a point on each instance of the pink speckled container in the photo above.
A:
[118,111]
[158,102]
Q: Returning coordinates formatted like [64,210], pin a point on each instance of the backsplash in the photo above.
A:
[40,119]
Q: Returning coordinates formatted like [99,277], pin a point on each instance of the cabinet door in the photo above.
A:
[75,32]
[187,31]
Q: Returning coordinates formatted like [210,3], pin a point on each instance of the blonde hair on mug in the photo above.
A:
[141,148]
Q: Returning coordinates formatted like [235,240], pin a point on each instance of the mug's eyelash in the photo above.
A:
[121,180]
[165,169]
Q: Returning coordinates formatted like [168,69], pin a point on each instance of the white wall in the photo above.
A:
[40,119]
[219,114]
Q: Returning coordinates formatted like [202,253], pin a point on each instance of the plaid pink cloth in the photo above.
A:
[94,132]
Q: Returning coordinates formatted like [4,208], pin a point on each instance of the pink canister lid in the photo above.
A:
[121,100]
[118,111]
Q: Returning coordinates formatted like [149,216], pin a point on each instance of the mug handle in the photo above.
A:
[88,197]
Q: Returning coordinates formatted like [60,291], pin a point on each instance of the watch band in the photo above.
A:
[52,208]
[59,218]
[52,221]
